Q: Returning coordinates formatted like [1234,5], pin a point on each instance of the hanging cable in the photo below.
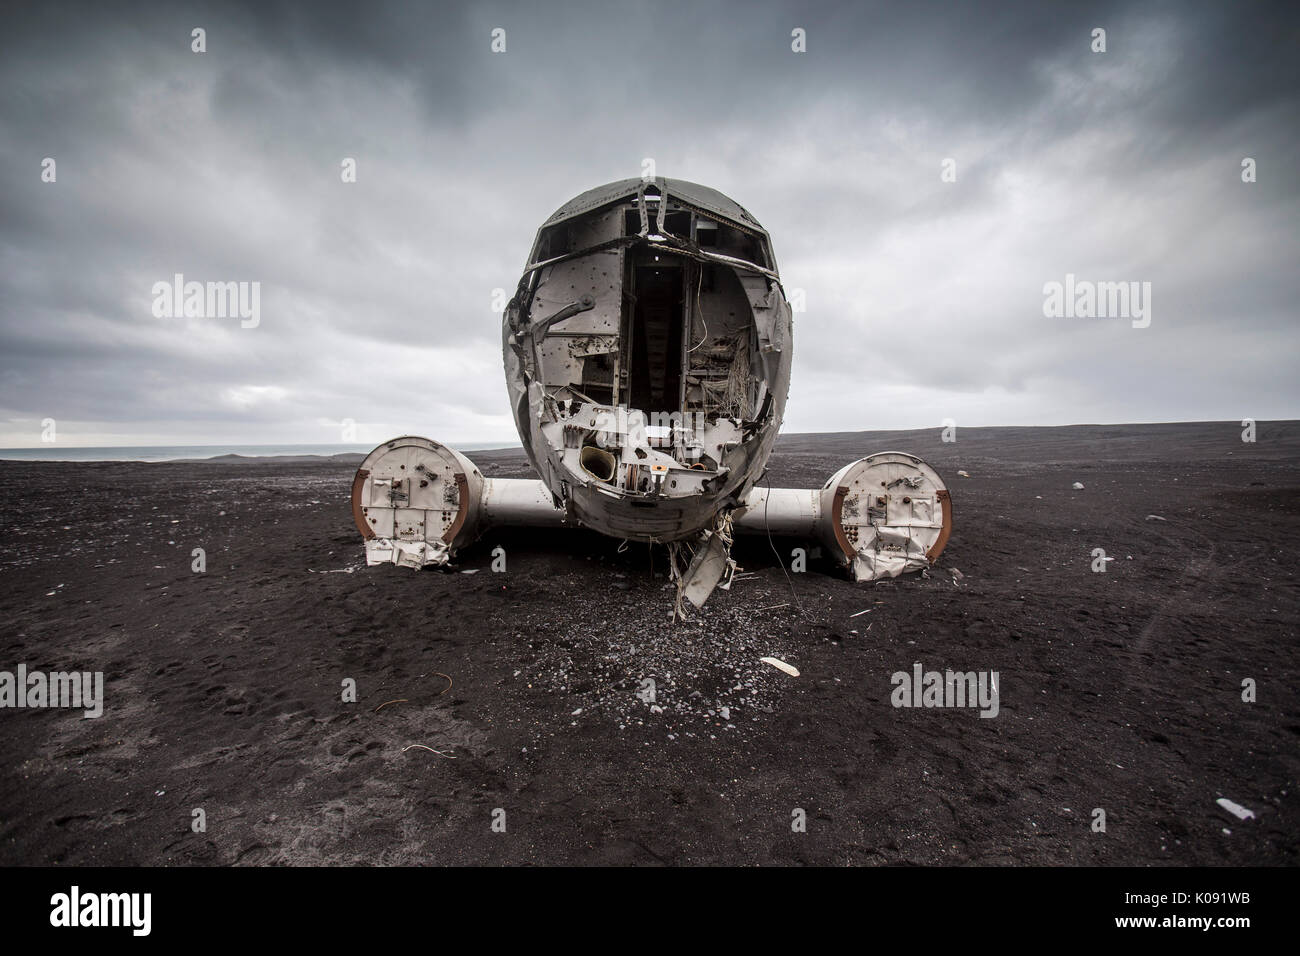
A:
[772,545]
[699,282]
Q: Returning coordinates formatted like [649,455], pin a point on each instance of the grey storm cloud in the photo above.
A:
[924,297]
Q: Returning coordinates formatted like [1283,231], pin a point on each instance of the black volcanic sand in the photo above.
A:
[1119,690]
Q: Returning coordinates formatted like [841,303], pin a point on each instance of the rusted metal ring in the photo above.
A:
[462,511]
[358,515]
[937,548]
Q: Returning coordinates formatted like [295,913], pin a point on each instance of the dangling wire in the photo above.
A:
[699,282]
[771,544]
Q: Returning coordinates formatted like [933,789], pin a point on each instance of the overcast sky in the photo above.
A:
[924,297]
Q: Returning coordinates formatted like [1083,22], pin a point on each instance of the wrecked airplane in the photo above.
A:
[647,358]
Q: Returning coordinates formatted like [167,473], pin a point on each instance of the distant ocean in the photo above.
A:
[56,452]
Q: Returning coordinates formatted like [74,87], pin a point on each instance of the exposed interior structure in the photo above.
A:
[637,317]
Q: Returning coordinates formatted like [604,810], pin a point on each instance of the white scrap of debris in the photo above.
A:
[781,665]
[1236,809]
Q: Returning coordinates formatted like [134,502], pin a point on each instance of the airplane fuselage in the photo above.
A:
[647,356]
[647,359]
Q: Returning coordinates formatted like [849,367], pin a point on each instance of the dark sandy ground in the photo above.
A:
[1119,690]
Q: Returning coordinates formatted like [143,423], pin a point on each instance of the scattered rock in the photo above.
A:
[1078,486]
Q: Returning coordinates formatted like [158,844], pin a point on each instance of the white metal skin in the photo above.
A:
[788,512]
[518,502]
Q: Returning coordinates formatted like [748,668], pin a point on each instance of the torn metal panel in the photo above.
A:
[709,567]
[706,570]
[406,554]
[771,311]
